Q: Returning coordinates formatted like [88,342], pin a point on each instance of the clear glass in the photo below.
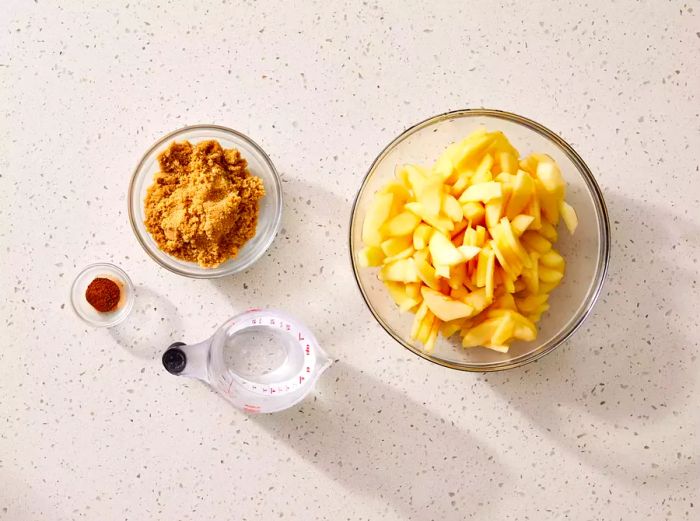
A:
[259,165]
[261,361]
[586,252]
[89,314]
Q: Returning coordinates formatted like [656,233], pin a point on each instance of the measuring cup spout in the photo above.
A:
[181,359]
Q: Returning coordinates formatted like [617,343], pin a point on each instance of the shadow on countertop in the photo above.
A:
[150,328]
[362,433]
[316,219]
[617,369]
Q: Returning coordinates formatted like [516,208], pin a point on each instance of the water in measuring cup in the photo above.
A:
[263,354]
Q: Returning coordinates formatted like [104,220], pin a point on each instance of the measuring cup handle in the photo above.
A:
[175,359]
[181,359]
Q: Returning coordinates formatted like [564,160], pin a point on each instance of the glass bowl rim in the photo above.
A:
[171,266]
[603,229]
[128,305]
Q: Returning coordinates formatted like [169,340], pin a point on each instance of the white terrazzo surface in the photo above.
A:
[92,427]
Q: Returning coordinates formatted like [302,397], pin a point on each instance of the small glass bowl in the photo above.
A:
[586,252]
[259,164]
[89,314]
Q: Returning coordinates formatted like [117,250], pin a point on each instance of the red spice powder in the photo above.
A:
[103,294]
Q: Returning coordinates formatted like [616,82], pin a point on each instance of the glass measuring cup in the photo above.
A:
[261,361]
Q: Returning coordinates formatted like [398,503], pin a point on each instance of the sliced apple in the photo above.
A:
[482,174]
[521,223]
[398,292]
[482,192]
[444,307]
[442,251]
[426,272]
[451,208]
[395,245]
[533,241]
[402,270]
[552,259]
[474,212]
[400,225]
[377,214]
[421,236]
[568,214]
[523,190]
[370,256]
[440,223]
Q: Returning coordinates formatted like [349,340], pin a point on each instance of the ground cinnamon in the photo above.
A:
[103,294]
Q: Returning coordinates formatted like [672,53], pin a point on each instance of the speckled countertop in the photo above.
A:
[92,427]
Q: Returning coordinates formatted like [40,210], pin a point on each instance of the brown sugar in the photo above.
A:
[203,204]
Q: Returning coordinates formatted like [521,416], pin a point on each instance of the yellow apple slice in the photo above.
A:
[523,190]
[550,176]
[430,196]
[469,238]
[442,270]
[550,275]
[398,292]
[461,183]
[521,223]
[552,259]
[480,236]
[481,334]
[444,166]
[548,231]
[440,223]
[507,162]
[489,277]
[474,212]
[400,225]
[482,174]
[403,254]
[451,208]
[504,331]
[478,300]
[513,243]
[426,272]
[432,336]
[458,273]
[370,256]
[493,210]
[377,214]
[569,215]
[442,251]
[396,245]
[444,307]
[402,270]
[418,319]
[470,148]
[413,290]
[421,236]
[533,241]
[482,192]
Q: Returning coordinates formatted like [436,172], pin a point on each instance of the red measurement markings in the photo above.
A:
[301,379]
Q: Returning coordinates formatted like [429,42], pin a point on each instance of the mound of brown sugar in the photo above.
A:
[203,204]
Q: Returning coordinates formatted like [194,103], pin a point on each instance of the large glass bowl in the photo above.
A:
[259,165]
[586,252]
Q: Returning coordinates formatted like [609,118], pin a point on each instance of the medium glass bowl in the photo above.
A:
[259,165]
[586,252]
